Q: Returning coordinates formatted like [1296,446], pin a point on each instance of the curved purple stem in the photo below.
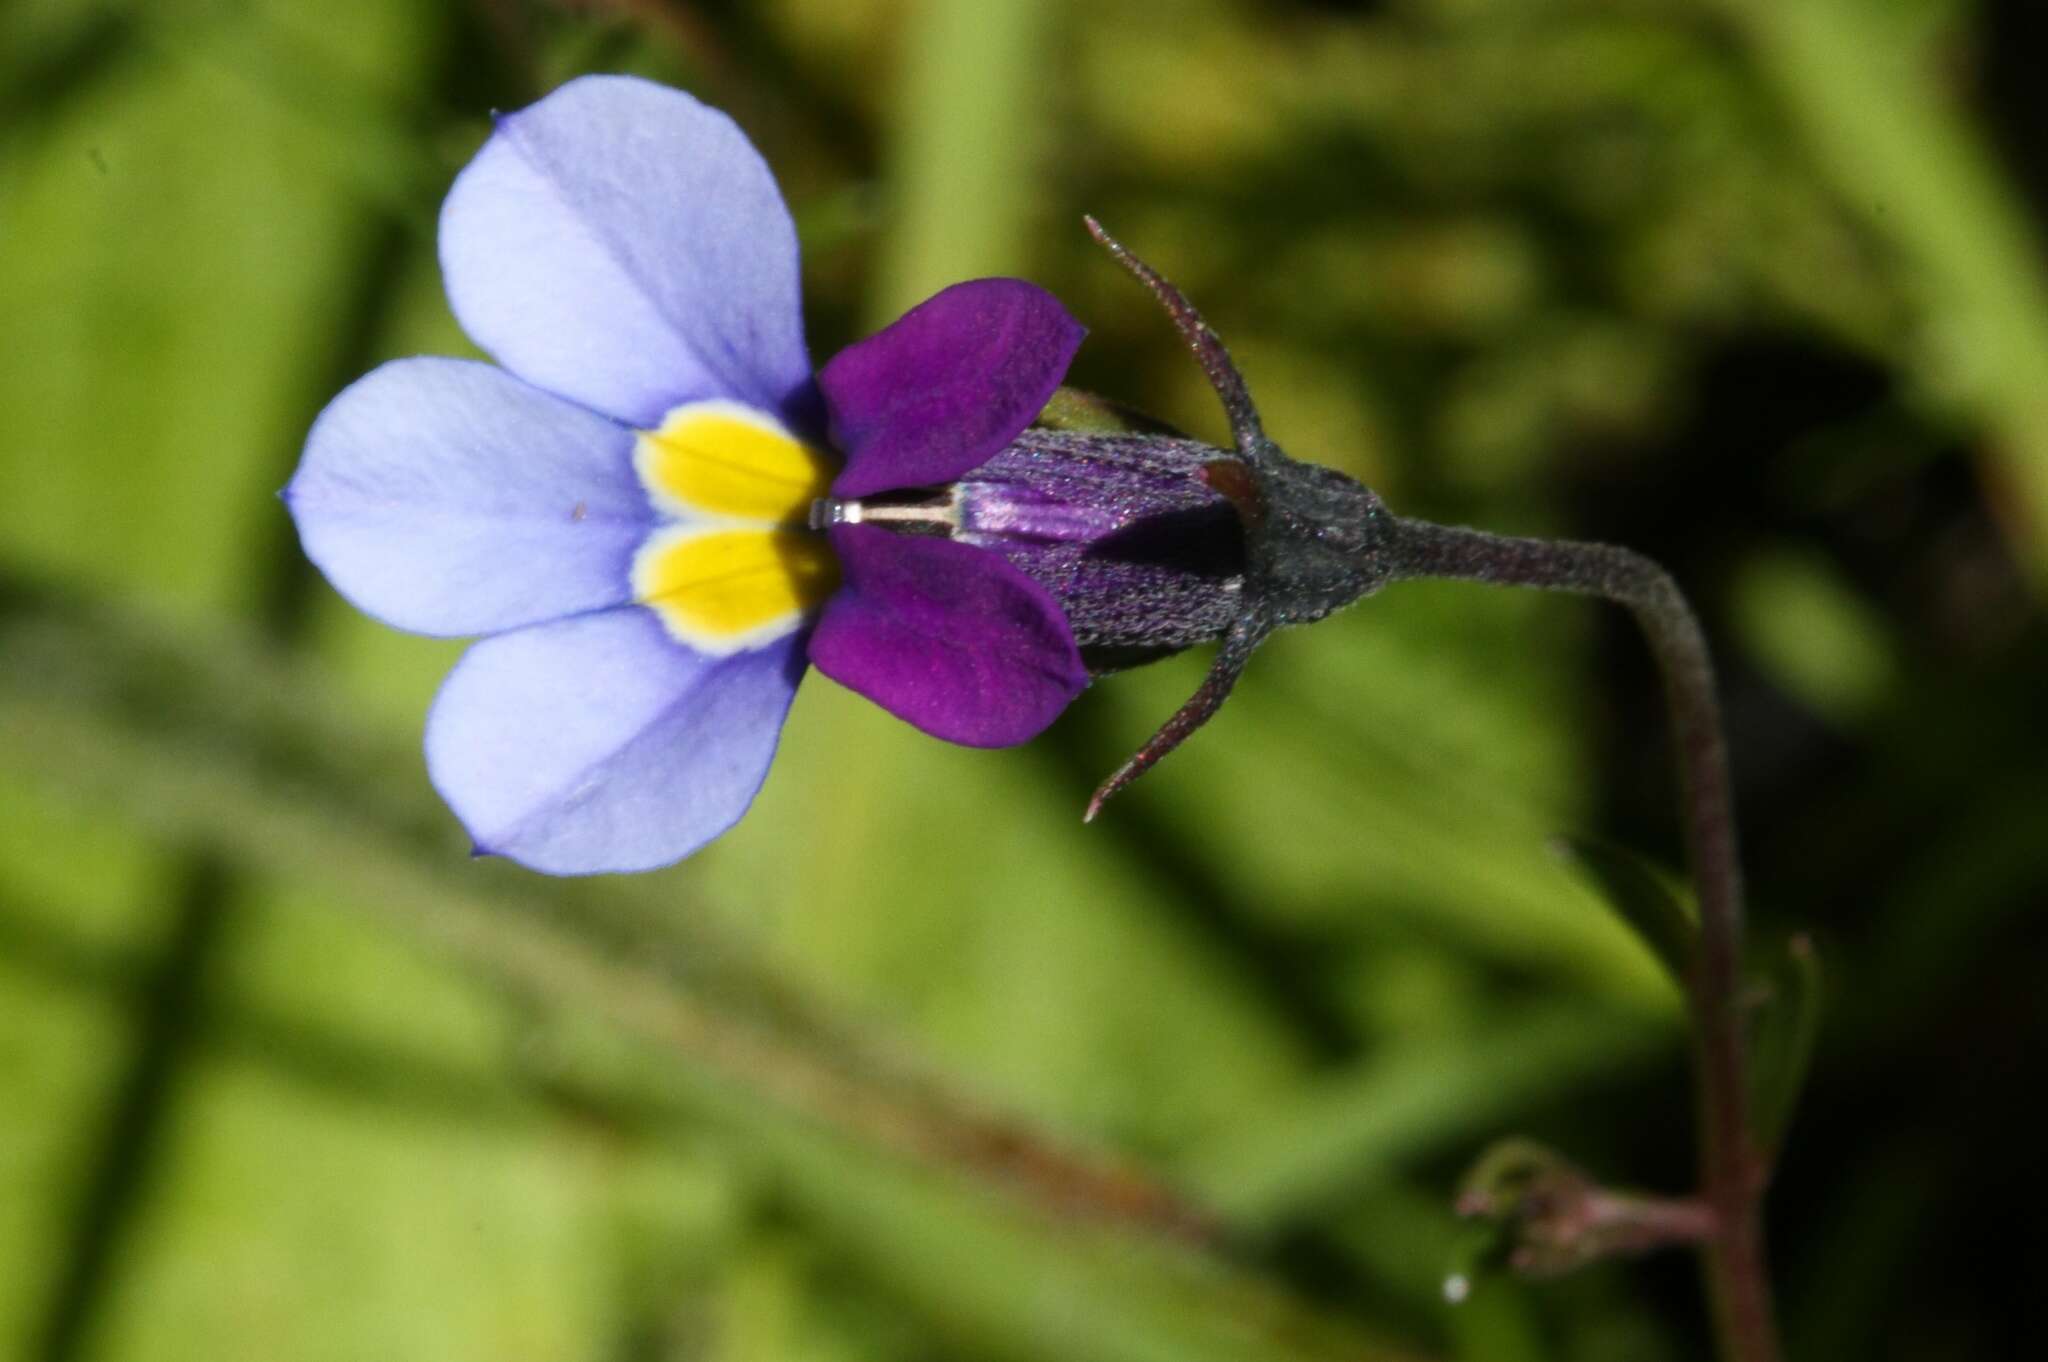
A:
[1733,1171]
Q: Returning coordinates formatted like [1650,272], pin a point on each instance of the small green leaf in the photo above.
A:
[1783,1024]
[1642,895]
[1508,1174]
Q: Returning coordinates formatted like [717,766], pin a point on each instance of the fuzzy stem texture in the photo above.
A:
[1732,1171]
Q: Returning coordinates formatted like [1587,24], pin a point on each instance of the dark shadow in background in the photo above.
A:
[1930,1059]
[167,1015]
[132,1145]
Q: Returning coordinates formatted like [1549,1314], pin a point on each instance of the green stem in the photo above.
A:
[960,163]
[229,750]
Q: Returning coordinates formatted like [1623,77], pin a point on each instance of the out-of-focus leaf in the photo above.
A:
[60,1055]
[228,747]
[1886,129]
[1800,620]
[1379,770]
[1501,1322]
[45,67]
[1357,1127]
[1480,1251]
[1092,414]
[1783,1026]
[1640,895]
[965,172]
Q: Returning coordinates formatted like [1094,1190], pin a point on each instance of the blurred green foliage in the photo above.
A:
[911,1065]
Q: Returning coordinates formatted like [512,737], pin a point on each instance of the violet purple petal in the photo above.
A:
[944,387]
[947,636]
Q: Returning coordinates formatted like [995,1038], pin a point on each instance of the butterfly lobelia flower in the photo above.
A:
[656,515]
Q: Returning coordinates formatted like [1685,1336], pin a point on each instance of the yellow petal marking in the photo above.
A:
[724,459]
[720,590]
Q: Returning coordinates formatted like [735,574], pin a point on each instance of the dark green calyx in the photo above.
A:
[1315,540]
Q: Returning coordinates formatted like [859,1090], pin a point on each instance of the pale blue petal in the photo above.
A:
[623,245]
[447,497]
[600,744]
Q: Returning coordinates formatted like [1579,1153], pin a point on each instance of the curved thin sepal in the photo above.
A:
[1201,338]
[1244,636]
[1312,536]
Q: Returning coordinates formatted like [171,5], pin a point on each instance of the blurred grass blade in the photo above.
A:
[45,72]
[968,125]
[1782,1032]
[1884,125]
[1481,1252]
[1640,895]
[1311,1156]
[1091,414]
[220,744]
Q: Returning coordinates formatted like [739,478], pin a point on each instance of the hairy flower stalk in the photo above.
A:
[656,515]
[1731,1170]
[1315,541]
